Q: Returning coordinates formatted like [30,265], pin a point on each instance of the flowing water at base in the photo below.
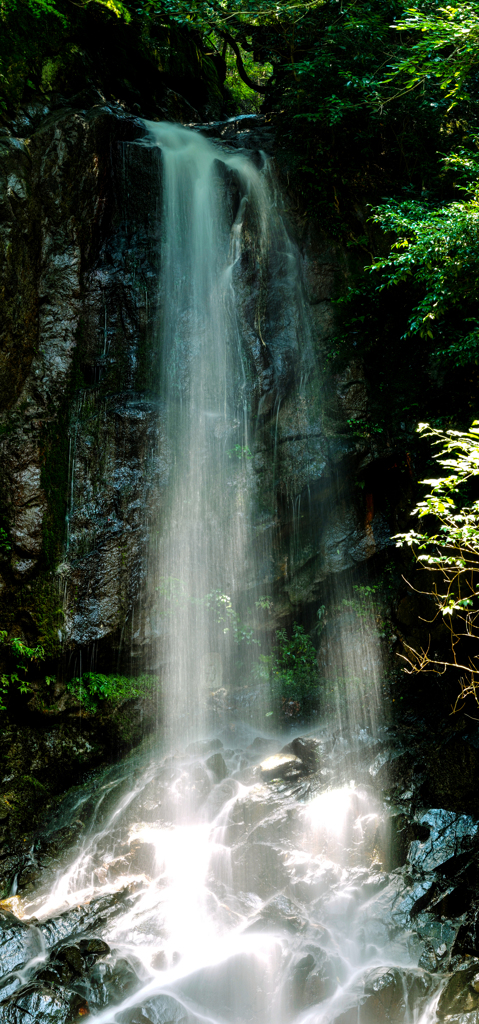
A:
[226,898]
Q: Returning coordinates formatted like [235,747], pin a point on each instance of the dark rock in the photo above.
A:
[314,979]
[115,983]
[393,769]
[8,985]
[157,1010]
[459,994]
[281,766]
[204,746]
[216,764]
[428,959]
[450,834]
[87,918]
[258,868]
[160,961]
[93,948]
[18,942]
[450,769]
[280,912]
[142,858]
[36,1003]
[306,749]
[71,956]
[390,995]
[259,743]
[240,988]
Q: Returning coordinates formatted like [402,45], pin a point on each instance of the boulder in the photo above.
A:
[216,764]
[460,994]
[44,1005]
[314,979]
[391,996]
[281,766]
[241,988]
[18,942]
[161,1009]
[258,868]
[307,749]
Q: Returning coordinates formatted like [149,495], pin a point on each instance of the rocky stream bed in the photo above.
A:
[227,884]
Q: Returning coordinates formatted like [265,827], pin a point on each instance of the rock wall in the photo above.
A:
[84,461]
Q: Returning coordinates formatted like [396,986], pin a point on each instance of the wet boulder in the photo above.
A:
[241,988]
[281,766]
[44,1005]
[461,993]
[142,858]
[18,942]
[447,835]
[204,746]
[307,749]
[161,1009]
[71,961]
[85,918]
[109,983]
[314,979]
[395,991]
[258,868]
[391,996]
[216,764]
[279,912]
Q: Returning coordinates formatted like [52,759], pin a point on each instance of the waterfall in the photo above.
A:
[225,895]
[206,553]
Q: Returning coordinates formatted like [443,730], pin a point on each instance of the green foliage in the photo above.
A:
[436,248]
[365,598]
[363,429]
[240,451]
[22,657]
[5,545]
[228,619]
[454,546]
[448,549]
[92,689]
[244,98]
[292,672]
[176,598]
[38,8]
[445,47]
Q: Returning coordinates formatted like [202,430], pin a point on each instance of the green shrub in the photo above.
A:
[293,673]
[92,689]
[22,657]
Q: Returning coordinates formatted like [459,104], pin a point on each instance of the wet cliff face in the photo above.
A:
[84,460]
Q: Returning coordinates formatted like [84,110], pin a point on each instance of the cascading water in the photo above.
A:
[205,537]
[207,554]
[227,893]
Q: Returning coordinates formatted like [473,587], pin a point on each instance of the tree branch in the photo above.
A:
[239,62]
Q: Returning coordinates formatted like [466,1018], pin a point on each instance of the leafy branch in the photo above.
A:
[451,555]
[23,657]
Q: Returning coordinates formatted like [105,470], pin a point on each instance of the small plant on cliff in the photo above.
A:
[92,689]
[293,673]
[228,619]
[5,545]
[449,551]
[22,657]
